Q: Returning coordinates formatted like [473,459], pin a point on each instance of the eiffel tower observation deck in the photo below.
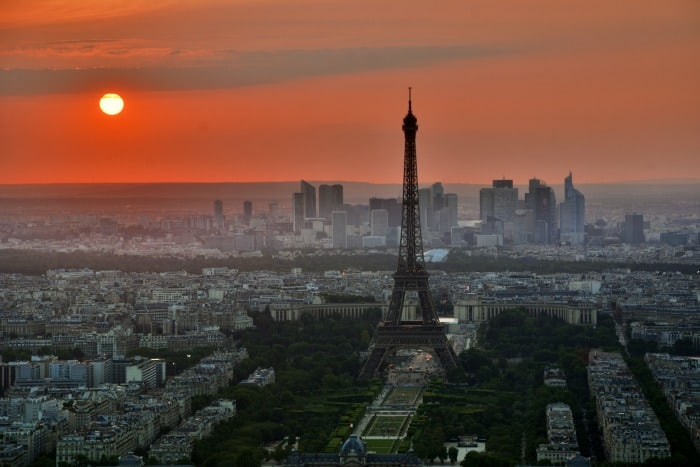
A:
[410,281]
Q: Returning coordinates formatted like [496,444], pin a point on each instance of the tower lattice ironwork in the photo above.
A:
[411,277]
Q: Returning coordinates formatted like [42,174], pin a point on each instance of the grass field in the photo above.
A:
[381,446]
[402,396]
[386,425]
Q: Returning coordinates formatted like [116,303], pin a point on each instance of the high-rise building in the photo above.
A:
[486,208]
[357,214]
[379,222]
[273,211]
[633,231]
[425,200]
[298,211]
[309,192]
[340,235]
[438,195]
[451,206]
[499,201]
[572,214]
[446,217]
[219,214]
[337,195]
[542,200]
[391,205]
[247,211]
[438,210]
[330,198]
[324,202]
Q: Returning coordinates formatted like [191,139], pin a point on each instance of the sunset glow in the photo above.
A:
[315,89]
[111,104]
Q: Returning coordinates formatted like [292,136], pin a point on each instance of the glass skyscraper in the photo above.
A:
[572,214]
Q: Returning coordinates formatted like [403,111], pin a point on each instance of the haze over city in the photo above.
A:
[215,249]
[241,91]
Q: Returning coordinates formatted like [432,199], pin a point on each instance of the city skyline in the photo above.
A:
[280,91]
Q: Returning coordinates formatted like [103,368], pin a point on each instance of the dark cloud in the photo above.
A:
[234,69]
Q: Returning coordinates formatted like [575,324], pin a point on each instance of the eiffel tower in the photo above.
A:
[411,276]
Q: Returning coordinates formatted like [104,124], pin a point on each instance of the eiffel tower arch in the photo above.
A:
[411,278]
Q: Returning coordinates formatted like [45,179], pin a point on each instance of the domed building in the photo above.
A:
[352,452]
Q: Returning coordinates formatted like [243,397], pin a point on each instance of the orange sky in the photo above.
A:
[280,90]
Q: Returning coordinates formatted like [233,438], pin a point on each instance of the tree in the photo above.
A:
[479,459]
[247,458]
[442,454]
[452,453]
[280,453]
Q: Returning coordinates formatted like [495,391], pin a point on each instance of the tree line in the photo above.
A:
[32,262]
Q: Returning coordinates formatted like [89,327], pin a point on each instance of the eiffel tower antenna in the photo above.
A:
[411,276]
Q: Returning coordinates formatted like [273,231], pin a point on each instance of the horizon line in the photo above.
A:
[675,180]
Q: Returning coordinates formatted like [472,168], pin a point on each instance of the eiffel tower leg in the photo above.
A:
[374,362]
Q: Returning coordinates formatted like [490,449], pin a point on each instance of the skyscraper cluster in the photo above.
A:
[505,219]
[438,210]
[534,219]
[330,199]
[376,224]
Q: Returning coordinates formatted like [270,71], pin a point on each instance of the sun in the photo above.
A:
[111,103]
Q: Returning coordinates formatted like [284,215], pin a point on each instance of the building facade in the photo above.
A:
[541,199]
[330,198]
[309,193]
[499,201]
[633,230]
[572,214]
[340,235]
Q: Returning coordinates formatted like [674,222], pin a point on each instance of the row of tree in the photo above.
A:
[316,365]
[38,262]
[505,398]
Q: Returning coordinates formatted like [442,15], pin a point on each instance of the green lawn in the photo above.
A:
[381,446]
[386,425]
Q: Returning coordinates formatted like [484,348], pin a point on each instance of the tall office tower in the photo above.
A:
[379,222]
[392,206]
[499,202]
[337,198]
[572,214]
[273,211]
[425,201]
[247,211]
[330,198]
[438,196]
[451,205]
[219,214]
[542,200]
[410,280]
[309,192]
[438,203]
[633,231]
[340,231]
[486,208]
[532,185]
[358,214]
[298,211]
[325,202]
